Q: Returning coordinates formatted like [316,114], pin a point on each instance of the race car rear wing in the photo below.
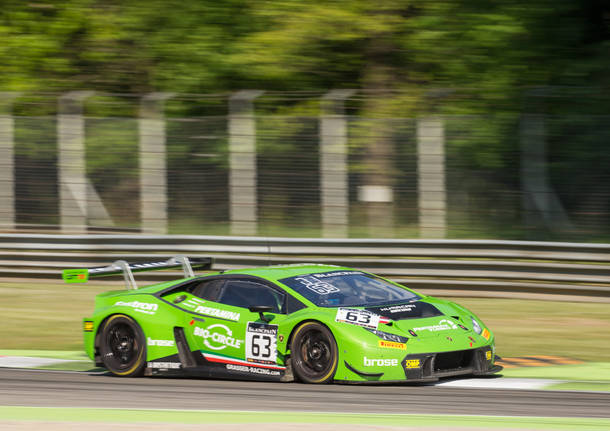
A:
[127,269]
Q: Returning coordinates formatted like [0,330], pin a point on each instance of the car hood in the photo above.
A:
[427,319]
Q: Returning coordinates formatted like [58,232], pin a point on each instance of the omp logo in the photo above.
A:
[218,340]
[380,362]
[223,314]
[412,363]
[160,343]
[143,307]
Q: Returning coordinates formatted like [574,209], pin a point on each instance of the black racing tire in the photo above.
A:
[314,353]
[123,346]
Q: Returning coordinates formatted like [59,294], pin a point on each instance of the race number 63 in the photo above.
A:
[261,343]
[357,317]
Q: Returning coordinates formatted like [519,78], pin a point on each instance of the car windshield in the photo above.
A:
[348,288]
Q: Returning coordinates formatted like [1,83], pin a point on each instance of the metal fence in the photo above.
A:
[450,267]
[254,163]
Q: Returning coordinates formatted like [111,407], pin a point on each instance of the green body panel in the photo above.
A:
[220,330]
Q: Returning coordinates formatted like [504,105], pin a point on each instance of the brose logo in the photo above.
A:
[160,343]
[218,340]
[380,362]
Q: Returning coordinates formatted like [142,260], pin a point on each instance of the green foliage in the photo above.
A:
[479,63]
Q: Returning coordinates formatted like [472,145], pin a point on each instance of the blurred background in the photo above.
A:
[400,119]
[320,119]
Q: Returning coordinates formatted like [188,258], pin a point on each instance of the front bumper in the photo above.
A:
[433,366]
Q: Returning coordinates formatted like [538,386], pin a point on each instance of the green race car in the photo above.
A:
[313,323]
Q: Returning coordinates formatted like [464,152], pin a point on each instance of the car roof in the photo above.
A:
[278,272]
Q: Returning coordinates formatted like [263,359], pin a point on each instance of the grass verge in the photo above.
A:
[118,416]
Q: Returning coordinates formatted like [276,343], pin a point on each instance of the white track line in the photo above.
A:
[500,383]
[29,362]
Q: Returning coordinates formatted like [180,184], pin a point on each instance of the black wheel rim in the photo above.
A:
[316,357]
[123,347]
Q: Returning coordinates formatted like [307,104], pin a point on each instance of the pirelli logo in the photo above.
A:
[412,363]
[392,345]
[488,355]
[88,326]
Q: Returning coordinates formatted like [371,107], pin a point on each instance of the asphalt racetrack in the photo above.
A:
[40,388]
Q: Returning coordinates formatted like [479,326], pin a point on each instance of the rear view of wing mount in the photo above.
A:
[127,269]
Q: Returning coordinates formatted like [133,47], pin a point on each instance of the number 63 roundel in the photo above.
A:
[261,343]
[357,317]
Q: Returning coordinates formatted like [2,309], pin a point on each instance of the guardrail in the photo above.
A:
[474,267]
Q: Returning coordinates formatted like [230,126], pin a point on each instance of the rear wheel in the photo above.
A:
[122,346]
[314,353]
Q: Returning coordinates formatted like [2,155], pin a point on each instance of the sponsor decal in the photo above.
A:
[485,334]
[488,355]
[88,326]
[192,303]
[228,360]
[412,363]
[442,325]
[413,309]
[215,312]
[362,318]
[164,365]
[255,370]
[160,343]
[261,343]
[142,307]
[218,337]
[398,308]
[75,275]
[336,274]
[392,345]
[316,285]
[380,362]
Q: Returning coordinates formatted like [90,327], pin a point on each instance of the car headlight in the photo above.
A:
[475,326]
[388,337]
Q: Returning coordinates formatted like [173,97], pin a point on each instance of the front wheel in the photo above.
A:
[122,346]
[314,353]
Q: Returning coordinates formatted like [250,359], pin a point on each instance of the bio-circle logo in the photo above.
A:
[217,337]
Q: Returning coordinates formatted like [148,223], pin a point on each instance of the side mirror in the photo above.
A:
[260,309]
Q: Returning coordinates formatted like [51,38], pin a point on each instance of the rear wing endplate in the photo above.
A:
[127,269]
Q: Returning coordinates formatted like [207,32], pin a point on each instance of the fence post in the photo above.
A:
[541,206]
[153,163]
[242,162]
[71,160]
[333,164]
[7,161]
[431,177]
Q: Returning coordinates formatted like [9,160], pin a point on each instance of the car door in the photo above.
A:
[232,334]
